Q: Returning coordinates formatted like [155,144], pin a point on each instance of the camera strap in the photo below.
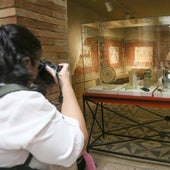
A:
[60,98]
[24,166]
[8,88]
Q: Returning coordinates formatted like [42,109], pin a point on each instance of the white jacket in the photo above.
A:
[30,123]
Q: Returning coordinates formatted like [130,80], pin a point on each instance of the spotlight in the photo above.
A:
[108,6]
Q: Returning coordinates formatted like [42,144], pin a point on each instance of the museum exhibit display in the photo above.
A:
[126,73]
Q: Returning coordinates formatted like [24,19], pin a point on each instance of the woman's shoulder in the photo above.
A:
[24,94]
[27,100]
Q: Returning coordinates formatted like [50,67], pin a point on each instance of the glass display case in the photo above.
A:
[126,52]
[126,69]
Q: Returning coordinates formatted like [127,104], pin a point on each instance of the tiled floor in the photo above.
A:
[112,162]
[152,124]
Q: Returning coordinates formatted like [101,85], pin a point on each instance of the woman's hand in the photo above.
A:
[63,74]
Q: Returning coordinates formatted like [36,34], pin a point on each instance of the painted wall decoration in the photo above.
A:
[87,56]
[120,55]
[85,60]
[139,55]
[143,56]
[88,61]
[113,53]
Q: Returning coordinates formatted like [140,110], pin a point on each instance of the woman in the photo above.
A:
[29,122]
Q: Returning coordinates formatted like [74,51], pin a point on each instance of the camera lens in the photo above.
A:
[44,77]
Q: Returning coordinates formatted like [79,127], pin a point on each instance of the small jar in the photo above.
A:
[147,78]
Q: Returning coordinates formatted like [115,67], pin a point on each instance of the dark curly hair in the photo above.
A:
[16,43]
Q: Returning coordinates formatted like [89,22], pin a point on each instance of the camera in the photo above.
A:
[44,63]
[44,77]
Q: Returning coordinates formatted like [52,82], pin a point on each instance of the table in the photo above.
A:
[99,100]
[127,99]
